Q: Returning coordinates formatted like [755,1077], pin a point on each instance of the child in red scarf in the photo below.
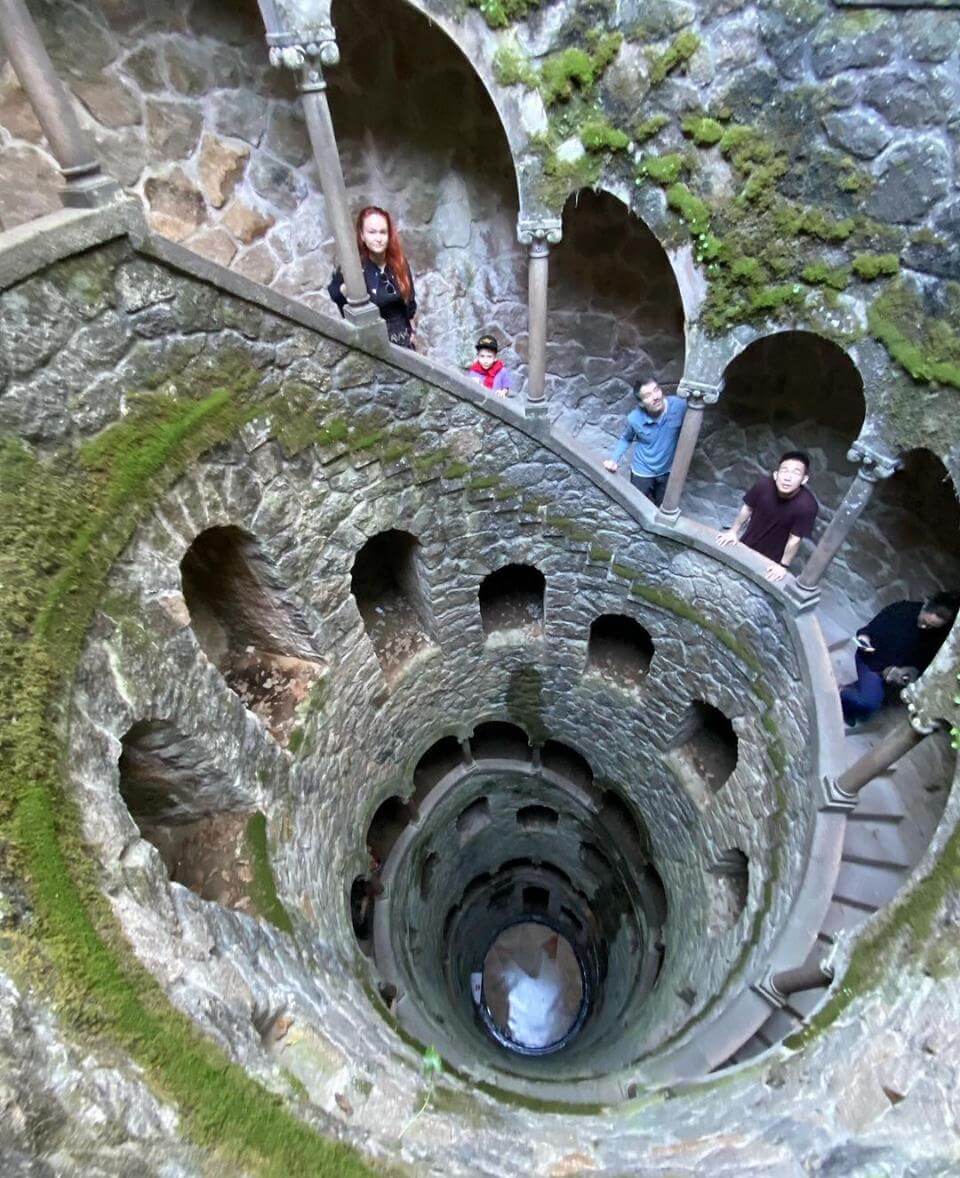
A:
[488,370]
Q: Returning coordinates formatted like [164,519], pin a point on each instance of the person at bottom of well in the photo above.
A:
[488,369]
[386,273]
[893,649]
[653,429]
[777,513]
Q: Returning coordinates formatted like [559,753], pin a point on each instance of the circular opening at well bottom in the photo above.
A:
[533,998]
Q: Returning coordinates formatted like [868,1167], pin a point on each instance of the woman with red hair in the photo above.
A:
[386,272]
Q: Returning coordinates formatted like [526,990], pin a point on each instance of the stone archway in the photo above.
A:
[615,317]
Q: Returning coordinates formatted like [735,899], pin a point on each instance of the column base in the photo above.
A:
[803,598]
[669,517]
[768,991]
[538,409]
[363,315]
[835,799]
[92,193]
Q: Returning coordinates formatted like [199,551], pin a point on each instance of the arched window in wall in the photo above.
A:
[195,817]
[499,740]
[249,626]
[704,751]
[792,390]
[431,149]
[620,649]
[511,599]
[389,822]
[616,317]
[389,588]
[911,530]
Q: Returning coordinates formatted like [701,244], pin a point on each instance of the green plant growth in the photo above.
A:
[704,132]
[432,1066]
[512,68]
[650,126]
[677,54]
[63,522]
[927,348]
[663,169]
[869,267]
[577,70]
[263,888]
[500,13]
[600,135]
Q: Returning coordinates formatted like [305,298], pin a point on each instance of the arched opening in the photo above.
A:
[473,819]
[497,740]
[195,817]
[431,149]
[704,751]
[440,759]
[907,543]
[389,822]
[620,649]
[249,627]
[624,827]
[388,586]
[427,871]
[793,390]
[537,817]
[511,599]
[567,762]
[616,317]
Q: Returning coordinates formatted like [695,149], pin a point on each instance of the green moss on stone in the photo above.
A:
[513,68]
[704,131]
[648,127]
[872,266]
[577,70]
[63,522]
[926,347]
[677,54]
[663,169]
[820,274]
[691,209]
[500,13]
[601,135]
[263,888]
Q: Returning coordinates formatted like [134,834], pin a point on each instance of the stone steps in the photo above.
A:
[886,836]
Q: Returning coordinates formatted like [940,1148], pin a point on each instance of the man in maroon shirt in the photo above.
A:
[778,513]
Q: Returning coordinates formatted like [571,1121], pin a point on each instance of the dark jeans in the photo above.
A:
[861,699]
[653,488]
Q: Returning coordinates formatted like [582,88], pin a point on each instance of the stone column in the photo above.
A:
[308,57]
[907,733]
[808,977]
[697,396]
[538,236]
[86,185]
[874,466]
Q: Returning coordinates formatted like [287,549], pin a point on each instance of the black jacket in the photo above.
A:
[897,639]
[384,291]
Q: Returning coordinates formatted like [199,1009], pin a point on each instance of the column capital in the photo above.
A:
[545,230]
[300,34]
[874,464]
[697,390]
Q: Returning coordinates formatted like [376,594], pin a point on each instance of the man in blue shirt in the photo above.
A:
[653,428]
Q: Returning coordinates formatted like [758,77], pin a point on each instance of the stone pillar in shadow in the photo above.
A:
[697,396]
[874,466]
[906,734]
[538,235]
[305,43]
[86,186]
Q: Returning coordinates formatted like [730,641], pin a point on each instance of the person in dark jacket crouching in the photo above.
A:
[893,649]
[387,275]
